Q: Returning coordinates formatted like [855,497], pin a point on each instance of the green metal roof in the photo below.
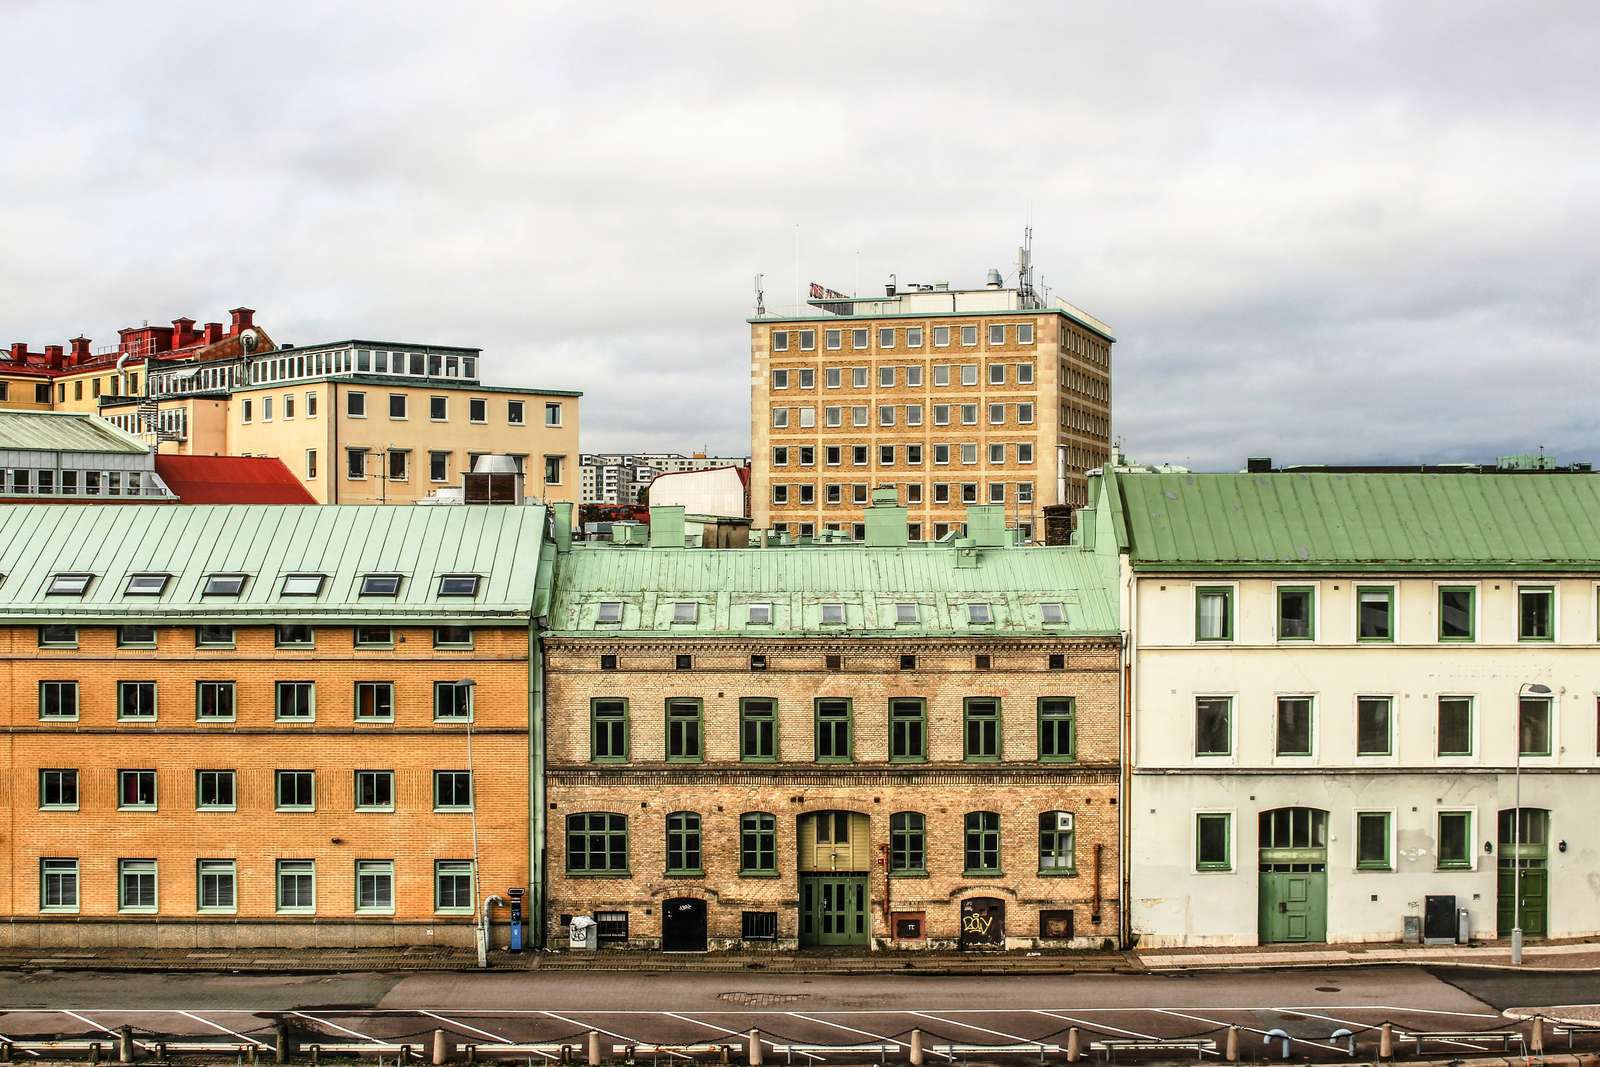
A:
[797,581]
[382,380]
[1392,522]
[503,545]
[61,431]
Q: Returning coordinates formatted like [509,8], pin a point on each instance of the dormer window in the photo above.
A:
[610,612]
[223,585]
[833,614]
[685,611]
[68,584]
[303,584]
[1053,613]
[458,585]
[146,584]
[380,585]
[979,614]
[905,614]
[760,615]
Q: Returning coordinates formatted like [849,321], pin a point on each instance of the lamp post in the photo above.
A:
[1534,689]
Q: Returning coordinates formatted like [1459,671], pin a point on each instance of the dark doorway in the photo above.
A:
[683,925]
[983,922]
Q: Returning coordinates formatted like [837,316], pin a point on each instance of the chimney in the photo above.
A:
[561,516]
[183,333]
[52,356]
[1058,523]
[80,351]
[886,520]
[986,525]
[213,333]
[19,351]
[1258,465]
[243,319]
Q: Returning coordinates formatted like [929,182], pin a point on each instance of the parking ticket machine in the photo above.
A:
[515,896]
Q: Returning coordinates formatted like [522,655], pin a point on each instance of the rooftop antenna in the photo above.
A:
[1028,299]
[761,297]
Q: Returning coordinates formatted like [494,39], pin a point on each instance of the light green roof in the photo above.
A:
[503,545]
[59,431]
[798,580]
[1387,522]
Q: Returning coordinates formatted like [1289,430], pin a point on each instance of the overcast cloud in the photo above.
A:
[1321,231]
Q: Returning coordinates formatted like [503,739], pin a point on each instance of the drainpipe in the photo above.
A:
[1125,764]
[537,805]
[332,465]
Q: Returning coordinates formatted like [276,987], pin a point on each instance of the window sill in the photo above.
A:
[1069,873]
[759,874]
[600,874]
[908,874]
[983,874]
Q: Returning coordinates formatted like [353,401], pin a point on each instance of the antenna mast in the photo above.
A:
[1025,291]
[761,297]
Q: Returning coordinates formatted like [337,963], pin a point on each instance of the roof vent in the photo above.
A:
[995,278]
[1258,465]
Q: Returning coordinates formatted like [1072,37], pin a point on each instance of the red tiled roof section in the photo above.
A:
[231,480]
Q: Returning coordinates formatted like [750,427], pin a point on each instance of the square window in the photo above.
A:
[374,702]
[683,661]
[214,701]
[969,337]
[905,614]
[1025,333]
[609,612]
[375,886]
[296,702]
[808,378]
[295,790]
[608,661]
[808,340]
[1296,613]
[913,336]
[859,338]
[1024,372]
[1374,726]
[452,791]
[686,612]
[136,701]
[514,412]
[58,790]
[833,614]
[1057,661]
[979,614]
[886,337]
[758,662]
[908,661]
[1213,726]
[136,790]
[452,702]
[780,340]
[216,885]
[941,339]
[215,791]
[759,615]
[997,336]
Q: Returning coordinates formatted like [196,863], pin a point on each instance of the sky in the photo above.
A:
[1322,232]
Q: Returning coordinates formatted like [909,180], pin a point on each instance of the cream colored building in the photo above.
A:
[950,397]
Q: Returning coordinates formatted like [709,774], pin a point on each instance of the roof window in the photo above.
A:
[223,585]
[380,584]
[685,611]
[146,584]
[905,614]
[833,614]
[458,585]
[68,584]
[610,612]
[303,584]
[979,614]
[760,615]
[1054,613]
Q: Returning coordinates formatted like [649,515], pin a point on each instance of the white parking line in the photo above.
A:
[13,1041]
[224,1029]
[1393,1007]
[725,1030]
[608,1033]
[336,1026]
[97,1026]
[980,1029]
[1252,1029]
[1101,1027]
[848,1029]
[476,1030]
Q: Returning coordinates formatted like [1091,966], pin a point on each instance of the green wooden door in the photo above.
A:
[1535,899]
[833,911]
[1294,906]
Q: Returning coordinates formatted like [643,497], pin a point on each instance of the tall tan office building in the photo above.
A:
[951,397]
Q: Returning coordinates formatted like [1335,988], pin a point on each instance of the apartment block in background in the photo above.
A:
[949,397]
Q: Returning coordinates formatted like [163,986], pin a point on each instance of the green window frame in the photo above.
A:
[1454,719]
[1290,710]
[597,844]
[1536,726]
[908,730]
[758,730]
[1454,841]
[980,729]
[1368,627]
[1374,726]
[835,731]
[685,730]
[1213,841]
[758,844]
[1213,726]
[1058,730]
[1536,613]
[1057,843]
[1372,841]
[608,730]
[1213,626]
[683,844]
[136,702]
[982,843]
[1458,613]
[908,843]
[1297,613]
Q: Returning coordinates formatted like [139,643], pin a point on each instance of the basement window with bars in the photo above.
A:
[759,926]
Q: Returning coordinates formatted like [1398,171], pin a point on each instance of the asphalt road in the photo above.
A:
[813,1009]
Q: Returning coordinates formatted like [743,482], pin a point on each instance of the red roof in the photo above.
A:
[231,480]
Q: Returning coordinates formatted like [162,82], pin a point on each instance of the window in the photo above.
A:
[759,614]
[858,377]
[1024,453]
[979,614]
[452,886]
[136,790]
[1213,613]
[1025,333]
[477,410]
[832,377]
[146,584]
[859,417]
[833,614]
[684,731]
[612,927]
[552,414]
[683,843]
[212,636]
[969,337]
[1056,843]
[1213,726]
[311,404]
[1455,840]
[941,338]
[399,464]
[886,416]
[136,636]
[374,790]
[608,661]
[808,340]
[68,585]
[246,409]
[58,700]
[1057,732]
[997,336]
[1294,726]
[217,890]
[1053,613]
[438,466]
[214,791]
[905,614]
[758,730]
[458,585]
[1534,726]
[1375,613]
[297,885]
[1455,726]
[834,339]
[969,453]
[355,405]
[981,717]
[452,790]
[58,789]
[969,417]
[907,843]
[1457,612]
[780,340]
[913,336]
[372,637]
[597,843]
[758,662]
[514,412]
[296,702]
[833,730]
[214,701]
[1374,726]
[1536,613]
[311,463]
[858,338]
[136,700]
[452,702]
[608,730]
[908,730]
[294,635]
[58,885]
[380,585]
[1296,608]
[136,885]
[1372,841]
[1024,370]
[58,637]
[1213,833]
[295,790]
[982,832]
[355,463]
[375,886]
[686,612]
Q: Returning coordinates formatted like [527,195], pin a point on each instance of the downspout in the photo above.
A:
[536,787]
[333,453]
[1124,777]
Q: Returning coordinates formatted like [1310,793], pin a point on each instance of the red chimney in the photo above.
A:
[183,333]
[19,351]
[80,351]
[213,333]
[52,356]
[243,319]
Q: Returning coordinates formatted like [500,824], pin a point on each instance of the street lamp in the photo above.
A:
[1528,689]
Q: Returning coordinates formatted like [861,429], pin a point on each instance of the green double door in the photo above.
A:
[1294,906]
[833,910]
[1526,846]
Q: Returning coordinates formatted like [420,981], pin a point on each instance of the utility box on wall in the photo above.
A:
[1440,923]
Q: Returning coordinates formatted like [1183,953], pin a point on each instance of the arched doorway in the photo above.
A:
[1527,847]
[835,859]
[1294,875]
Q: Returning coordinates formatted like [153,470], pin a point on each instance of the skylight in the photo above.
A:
[760,615]
[380,584]
[458,585]
[685,611]
[146,584]
[610,612]
[905,614]
[68,584]
[303,584]
[223,585]
[979,614]
[1053,613]
[833,614]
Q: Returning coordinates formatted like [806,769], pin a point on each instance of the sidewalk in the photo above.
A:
[1543,955]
